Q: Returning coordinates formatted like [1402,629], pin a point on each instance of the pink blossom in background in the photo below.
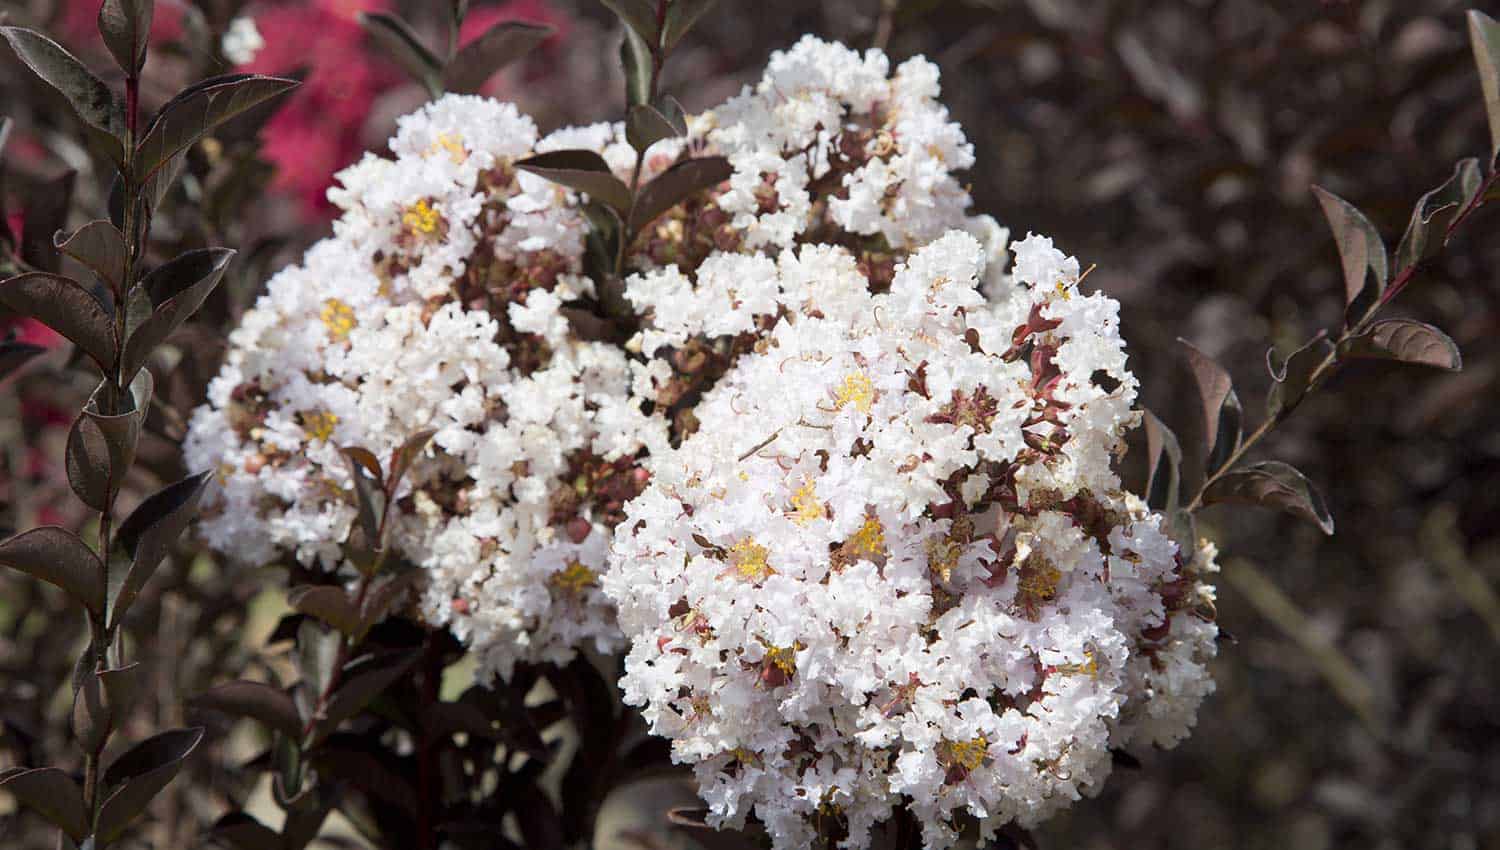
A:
[481,18]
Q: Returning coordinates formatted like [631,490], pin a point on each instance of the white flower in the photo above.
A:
[242,40]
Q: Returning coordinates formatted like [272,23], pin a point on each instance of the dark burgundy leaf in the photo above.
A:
[404,455]
[1272,484]
[138,775]
[101,447]
[402,44]
[56,556]
[682,16]
[148,533]
[583,170]
[1484,34]
[66,306]
[258,701]
[639,15]
[369,489]
[52,794]
[500,45]
[1360,247]
[635,58]
[1407,341]
[175,290]
[1164,464]
[1221,407]
[328,603]
[100,247]
[675,185]
[646,124]
[125,25]
[243,832]
[363,680]
[1292,380]
[1436,210]
[198,109]
[89,97]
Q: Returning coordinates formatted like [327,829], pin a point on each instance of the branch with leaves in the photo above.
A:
[117,320]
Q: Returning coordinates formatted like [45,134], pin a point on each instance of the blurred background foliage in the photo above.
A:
[1172,142]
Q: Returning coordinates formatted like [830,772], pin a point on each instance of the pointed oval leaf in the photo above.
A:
[91,470]
[639,15]
[1407,341]
[100,247]
[57,556]
[1360,247]
[1272,484]
[89,97]
[675,185]
[402,44]
[380,600]
[270,706]
[1484,35]
[101,447]
[66,306]
[1291,382]
[404,455]
[682,17]
[635,58]
[583,170]
[91,715]
[123,687]
[1221,408]
[328,603]
[364,679]
[645,125]
[317,652]
[499,46]
[198,109]
[149,532]
[138,775]
[52,794]
[1428,230]
[176,290]
[1163,465]
[126,25]
[369,489]
[14,355]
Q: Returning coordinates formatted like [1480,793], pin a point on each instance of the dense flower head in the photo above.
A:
[893,565]
[437,305]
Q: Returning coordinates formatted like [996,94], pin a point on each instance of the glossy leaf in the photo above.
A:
[57,556]
[1361,249]
[583,170]
[1407,341]
[1484,35]
[327,603]
[675,185]
[1272,484]
[682,16]
[86,93]
[175,290]
[66,306]
[197,110]
[635,58]
[100,247]
[398,40]
[1222,415]
[499,46]
[639,15]
[148,533]
[363,680]
[1290,382]
[101,447]
[52,794]
[138,775]
[126,25]
[1428,229]
[267,705]
[1163,465]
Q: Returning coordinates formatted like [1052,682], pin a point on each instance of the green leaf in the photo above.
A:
[402,44]
[675,185]
[89,97]
[500,45]
[101,446]
[1361,249]
[646,124]
[635,58]
[682,17]
[1484,34]
[1407,341]
[1428,230]
[138,775]
[327,603]
[126,26]
[1164,465]
[364,679]
[148,533]
[1222,415]
[176,290]
[638,15]
[56,556]
[52,794]
[267,705]
[100,247]
[1289,384]
[1272,484]
[196,110]
[583,170]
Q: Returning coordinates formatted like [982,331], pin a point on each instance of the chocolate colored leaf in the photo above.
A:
[138,775]
[635,58]
[86,93]
[1221,407]
[1290,383]
[1407,341]
[66,306]
[1361,249]
[647,124]
[126,26]
[52,794]
[243,832]
[675,185]
[263,703]
[499,46]
[584,171]
[148,533]
[639,15]
[398,40]
[1272,484]
[101,446]
[175,290]
[369,490]
[363,680]
[1428,229]
[57,556]
[682,16]
[327,603]
[1484,34]
[1163,465]
[196,111]
[100,247]
[403,457]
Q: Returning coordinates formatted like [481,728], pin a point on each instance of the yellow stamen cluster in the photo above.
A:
[452,145]
[338,318]
[575,578]
[784,658]
[749,560]
[870,539]
[421,218]
[319,424]
[857,390]
[1062,290]
[969,754]
[1089,668]
[806,508]
[1039,580]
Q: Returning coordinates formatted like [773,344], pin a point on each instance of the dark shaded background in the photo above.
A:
[1173,143]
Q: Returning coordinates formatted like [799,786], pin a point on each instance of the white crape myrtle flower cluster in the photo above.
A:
[894,566]
[436,305]
[841,483]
